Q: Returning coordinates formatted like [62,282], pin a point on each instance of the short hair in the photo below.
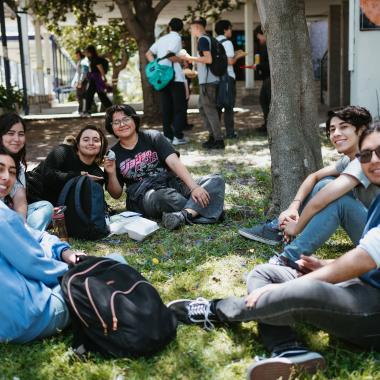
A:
[221,26]
[127,110]
[103,140]
[357,116]
[200,21]
[256,31]
[7,121]
[5,152]
[374,127]
[79,51]
[176,24]
[92,50]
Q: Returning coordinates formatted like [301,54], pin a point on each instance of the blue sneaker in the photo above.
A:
[264,233]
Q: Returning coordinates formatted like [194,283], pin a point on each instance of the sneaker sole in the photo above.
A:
[258,238]
[170,222]
[278,369]
[179,300]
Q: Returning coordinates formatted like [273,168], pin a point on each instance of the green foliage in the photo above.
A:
[211,9]
[117,96]
[72,97]
[10,98]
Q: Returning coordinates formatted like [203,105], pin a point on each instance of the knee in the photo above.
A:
[321,184]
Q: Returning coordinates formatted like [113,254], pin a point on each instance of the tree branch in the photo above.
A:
[160,6]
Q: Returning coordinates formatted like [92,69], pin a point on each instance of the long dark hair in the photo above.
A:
[7,121]
[103,140]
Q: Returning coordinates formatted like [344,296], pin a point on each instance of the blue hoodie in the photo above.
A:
[30,265]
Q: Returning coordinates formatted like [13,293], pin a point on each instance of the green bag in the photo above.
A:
[159,76]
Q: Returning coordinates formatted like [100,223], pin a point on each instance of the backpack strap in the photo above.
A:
[169,55]
[65,191]
[78,206]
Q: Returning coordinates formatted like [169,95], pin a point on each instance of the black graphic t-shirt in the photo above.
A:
[146,159]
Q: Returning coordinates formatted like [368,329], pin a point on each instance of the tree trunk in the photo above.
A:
[140,18]
[292,123]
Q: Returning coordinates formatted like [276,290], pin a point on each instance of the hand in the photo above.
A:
[70,257]
[290,227]
[288,214]
[201,196]
[311,262]
[109,165]
[254,296]
[79,85]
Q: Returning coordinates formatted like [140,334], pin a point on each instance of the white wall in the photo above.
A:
[364,62]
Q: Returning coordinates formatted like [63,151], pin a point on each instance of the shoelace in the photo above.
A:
[198,309]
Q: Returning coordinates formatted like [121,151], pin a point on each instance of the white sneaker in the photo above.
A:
[182,141]
[285,365]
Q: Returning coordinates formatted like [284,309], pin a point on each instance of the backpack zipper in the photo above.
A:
[69,290]
[130,290]
[105,327]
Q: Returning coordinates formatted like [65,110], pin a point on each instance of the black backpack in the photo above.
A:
[86,211]
[219,58]
[115,311]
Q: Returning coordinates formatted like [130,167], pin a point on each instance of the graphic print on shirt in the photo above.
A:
[143,165]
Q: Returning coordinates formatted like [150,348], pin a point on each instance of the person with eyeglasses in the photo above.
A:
[158,184]
[337,195]
[340,297]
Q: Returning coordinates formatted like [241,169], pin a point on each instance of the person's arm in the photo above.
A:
[351,265]
[206,59]
[20,248]
[20,203]
[198,193]
[304,190]
[238,54]
[332,191]
[102,72]
[149,56]
[113,186]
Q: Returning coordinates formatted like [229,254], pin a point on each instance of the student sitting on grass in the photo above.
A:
[13,138]
[158,184]
[31,262]
[339,296]
[340,198]
[64,162]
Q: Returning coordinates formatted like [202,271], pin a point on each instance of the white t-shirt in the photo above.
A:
[230,52]
[169,43]
[20,182]
[365,191]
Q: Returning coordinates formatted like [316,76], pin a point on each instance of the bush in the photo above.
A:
[10,98]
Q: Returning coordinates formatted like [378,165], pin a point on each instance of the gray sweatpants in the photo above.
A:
[177,197]
[209,110]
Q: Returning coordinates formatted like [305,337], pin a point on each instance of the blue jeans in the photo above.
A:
[39,215]
[345,211]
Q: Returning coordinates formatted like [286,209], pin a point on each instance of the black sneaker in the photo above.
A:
[173,220]
[218,144]
[210,141]
[194,312]
[284,365]
[262,233]
[232,135]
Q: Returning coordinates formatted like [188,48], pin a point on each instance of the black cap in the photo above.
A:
[200,21]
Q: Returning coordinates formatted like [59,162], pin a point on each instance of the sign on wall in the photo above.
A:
[369,15]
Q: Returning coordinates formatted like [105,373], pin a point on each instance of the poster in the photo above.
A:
[369,14]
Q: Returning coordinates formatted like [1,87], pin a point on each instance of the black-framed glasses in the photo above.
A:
[123,121]
[365,155]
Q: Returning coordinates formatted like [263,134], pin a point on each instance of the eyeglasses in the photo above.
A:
[365,156]
[123,121]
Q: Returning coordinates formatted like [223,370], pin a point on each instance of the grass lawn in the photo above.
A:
[197,260]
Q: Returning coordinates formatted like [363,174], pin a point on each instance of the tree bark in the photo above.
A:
[292,123]
[140,18]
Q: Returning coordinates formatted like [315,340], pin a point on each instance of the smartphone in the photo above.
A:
[292,264]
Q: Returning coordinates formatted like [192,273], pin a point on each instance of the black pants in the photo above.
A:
[265,97]
[90,96]
[81,95]
[173,107]
[229,124]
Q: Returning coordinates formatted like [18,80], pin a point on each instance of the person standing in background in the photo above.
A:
[173,96]
[223,29]
[263,70]
[80,78]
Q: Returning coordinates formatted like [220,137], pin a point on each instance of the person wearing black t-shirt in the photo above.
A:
[96,79]
[64,162]
[158,184]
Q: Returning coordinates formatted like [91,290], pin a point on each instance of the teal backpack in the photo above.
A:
[159,76]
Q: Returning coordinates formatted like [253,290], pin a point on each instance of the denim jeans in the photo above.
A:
[345,211]
[39,215]
[349,310]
